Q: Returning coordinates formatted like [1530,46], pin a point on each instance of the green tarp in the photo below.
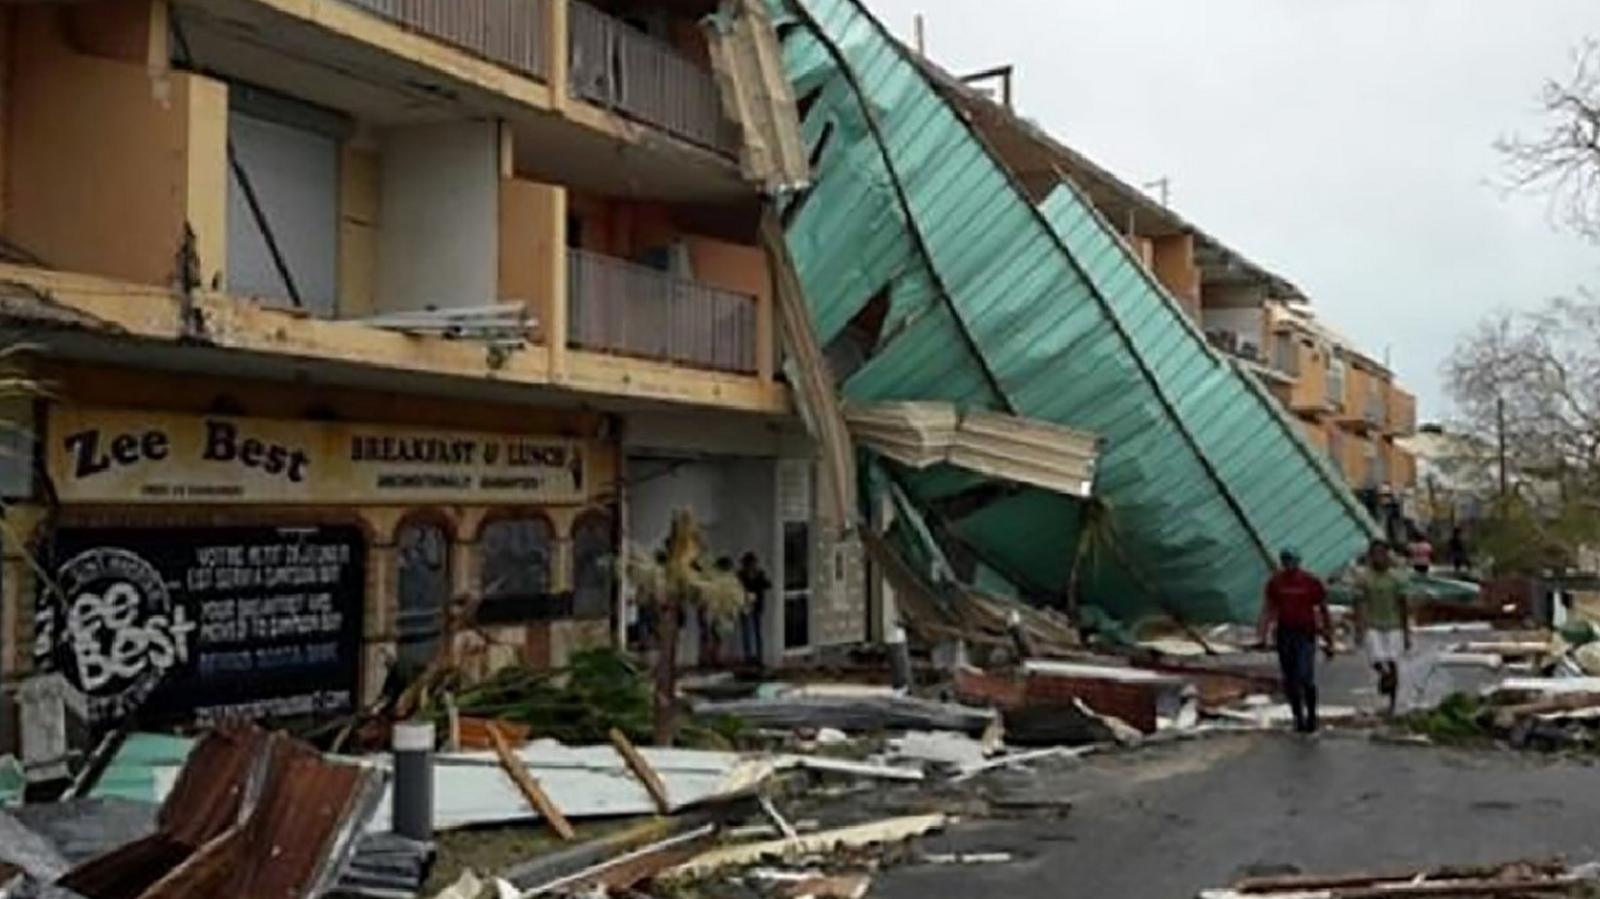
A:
[990,301]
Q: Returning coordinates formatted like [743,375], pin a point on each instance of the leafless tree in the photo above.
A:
[1564,160]
[1533,380]
[1541,371]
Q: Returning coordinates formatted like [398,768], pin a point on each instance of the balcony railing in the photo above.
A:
[1375,412]
[620,67]
[620,307]
[509,32]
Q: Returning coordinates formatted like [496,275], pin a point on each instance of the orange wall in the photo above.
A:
[103,159]
[1402,412]
[1311,386]
[1175,268]
[127,30]
[621,228]
[1315,432]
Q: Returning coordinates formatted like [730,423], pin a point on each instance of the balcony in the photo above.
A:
[626,309]
[619,67]
[508,32]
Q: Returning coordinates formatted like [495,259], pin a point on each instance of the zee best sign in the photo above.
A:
[205,623]
[120,456]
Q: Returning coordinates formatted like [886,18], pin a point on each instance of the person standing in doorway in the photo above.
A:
[756,586]
[1383,617]
[1293,613]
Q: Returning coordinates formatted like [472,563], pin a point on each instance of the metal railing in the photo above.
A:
[620,67]
[620,307]
[1375,412]
[509,32]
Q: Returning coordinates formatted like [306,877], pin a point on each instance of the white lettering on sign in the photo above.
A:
[120,623]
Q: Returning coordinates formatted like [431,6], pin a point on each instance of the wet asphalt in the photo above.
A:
[1173,820]
[1169,821]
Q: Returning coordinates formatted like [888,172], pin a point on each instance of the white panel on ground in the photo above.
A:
[439,246]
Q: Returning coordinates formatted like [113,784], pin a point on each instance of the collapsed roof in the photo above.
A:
[930,275]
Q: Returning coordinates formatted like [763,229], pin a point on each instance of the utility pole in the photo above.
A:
[1500,427]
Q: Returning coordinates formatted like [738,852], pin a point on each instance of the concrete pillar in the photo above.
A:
[556,52]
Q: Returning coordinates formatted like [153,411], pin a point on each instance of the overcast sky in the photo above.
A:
[1346,144]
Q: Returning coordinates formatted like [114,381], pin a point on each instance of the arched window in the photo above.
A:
[593,565]
[517,556]
[423,584]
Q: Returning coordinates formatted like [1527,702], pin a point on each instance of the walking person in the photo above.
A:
[1294,612]
[1421,552]
[1457,547]
[1383,617]
[756,586]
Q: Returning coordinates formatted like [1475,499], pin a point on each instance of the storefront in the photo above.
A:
[205,565]
[753,487]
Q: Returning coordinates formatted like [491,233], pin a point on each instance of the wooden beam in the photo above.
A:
[640,766]
[536,796]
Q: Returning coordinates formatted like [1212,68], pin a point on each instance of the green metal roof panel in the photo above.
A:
[1040,311]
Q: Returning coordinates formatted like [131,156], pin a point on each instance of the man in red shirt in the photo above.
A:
[1296,603]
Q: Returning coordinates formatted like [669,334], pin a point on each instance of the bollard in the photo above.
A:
[899,659]
[413,779]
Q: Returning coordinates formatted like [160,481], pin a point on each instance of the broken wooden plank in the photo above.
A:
[627,869]
[640,766]
[518,772]
[890,830]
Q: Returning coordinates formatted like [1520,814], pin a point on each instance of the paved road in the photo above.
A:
[1169,821]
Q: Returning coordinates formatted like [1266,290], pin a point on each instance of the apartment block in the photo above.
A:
[1348,404]
[416,305]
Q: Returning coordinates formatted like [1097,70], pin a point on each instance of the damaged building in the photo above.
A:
[350,316]
[358,324]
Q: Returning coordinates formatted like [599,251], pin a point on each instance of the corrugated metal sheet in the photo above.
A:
[1040,312]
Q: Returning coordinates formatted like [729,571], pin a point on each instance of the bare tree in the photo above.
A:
[1564,160]
[1530,382]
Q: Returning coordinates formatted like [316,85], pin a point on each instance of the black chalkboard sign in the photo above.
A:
[180,624]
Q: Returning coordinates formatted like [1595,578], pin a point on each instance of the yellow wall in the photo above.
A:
[360,217]
[533,245]
[107,162]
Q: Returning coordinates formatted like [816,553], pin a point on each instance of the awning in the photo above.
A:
[1020,450]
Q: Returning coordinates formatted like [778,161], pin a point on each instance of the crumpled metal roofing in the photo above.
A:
[1039,311]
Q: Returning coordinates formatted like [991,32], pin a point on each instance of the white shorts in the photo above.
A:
[1385,646]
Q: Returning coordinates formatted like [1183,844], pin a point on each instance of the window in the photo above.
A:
[516,554]
[1335,379]
[1286,356]
[288,155]
[796,584]
[423,585]
[593,574]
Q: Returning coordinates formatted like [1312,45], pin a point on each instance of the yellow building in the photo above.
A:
[352,310]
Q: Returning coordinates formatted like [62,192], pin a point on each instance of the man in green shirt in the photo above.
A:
[1383,617]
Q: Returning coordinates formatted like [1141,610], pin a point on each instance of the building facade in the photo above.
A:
[352,314]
